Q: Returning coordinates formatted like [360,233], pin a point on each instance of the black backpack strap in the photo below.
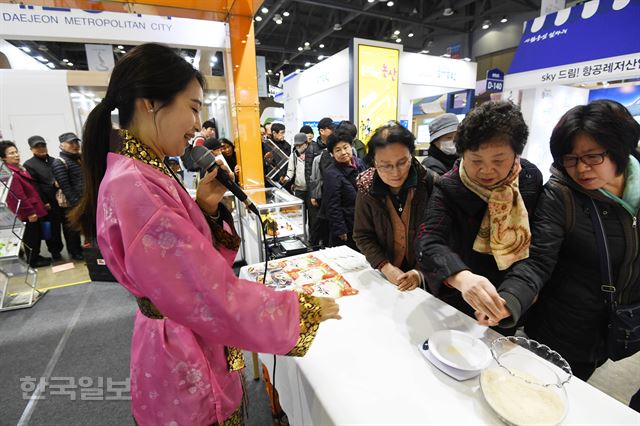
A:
[606,276]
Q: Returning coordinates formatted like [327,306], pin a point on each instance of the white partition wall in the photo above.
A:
[35,103]
[320,91]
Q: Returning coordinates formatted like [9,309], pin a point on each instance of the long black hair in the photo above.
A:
[150,71]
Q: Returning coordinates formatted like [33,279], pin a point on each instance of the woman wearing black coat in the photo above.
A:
[593,151]
[465,246]
[339,192]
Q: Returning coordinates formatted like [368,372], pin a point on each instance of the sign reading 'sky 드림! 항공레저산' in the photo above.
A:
[27,22]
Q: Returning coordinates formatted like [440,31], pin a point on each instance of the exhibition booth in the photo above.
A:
[568,58]
[373,82]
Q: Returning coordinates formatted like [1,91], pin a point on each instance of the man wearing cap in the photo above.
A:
[40,168]
[442,150]
[68,173]
[325,128]
[295,169]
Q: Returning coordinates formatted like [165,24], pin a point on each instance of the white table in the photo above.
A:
[366,369]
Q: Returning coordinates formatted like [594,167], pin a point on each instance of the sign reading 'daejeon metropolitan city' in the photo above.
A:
[26,22]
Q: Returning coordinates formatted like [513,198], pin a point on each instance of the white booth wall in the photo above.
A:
[323,90]
[542,108]
[35,103]
[320,91]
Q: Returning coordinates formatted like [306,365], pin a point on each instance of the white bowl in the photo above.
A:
[459,350]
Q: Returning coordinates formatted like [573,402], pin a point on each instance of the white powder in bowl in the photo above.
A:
[519,402]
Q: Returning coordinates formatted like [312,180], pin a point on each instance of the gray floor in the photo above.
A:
[82,331]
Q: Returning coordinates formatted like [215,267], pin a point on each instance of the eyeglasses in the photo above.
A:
[388,168]
[569,161]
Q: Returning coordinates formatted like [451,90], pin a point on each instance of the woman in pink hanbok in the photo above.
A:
[174,254]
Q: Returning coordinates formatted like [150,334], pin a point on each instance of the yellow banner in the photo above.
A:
[377,88]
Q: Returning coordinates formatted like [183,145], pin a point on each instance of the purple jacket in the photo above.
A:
[24,189]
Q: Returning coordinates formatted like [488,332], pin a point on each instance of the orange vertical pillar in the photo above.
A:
[243,95]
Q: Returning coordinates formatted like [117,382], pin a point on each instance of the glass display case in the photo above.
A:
[284,216]
[17,279]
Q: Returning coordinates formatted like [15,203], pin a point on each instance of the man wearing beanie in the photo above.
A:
[442,150]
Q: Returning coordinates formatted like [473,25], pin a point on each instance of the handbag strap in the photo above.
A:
[606,275]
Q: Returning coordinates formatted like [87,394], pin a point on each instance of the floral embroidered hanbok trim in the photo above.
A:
[309,322]
[133,148]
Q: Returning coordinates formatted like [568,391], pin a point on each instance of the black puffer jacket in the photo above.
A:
[438,161]
[339,196]
[445,238]
[41,170]
[563,268]
[68,173]
[310,154]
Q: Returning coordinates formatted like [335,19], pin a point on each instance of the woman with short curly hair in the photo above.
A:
[477,221]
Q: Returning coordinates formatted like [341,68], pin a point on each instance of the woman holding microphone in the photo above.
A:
[174,255]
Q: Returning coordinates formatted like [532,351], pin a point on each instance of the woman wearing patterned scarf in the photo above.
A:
[477,221]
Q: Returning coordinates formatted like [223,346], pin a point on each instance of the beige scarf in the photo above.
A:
[504,231]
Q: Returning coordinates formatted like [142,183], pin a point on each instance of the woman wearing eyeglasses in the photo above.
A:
[593,148]
[477,221]
[339,189]
[392,197]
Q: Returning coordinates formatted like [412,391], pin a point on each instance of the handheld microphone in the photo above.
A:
[204,160]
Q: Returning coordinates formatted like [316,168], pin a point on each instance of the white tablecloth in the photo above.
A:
[366,369]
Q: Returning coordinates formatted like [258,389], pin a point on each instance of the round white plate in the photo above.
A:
[459,350]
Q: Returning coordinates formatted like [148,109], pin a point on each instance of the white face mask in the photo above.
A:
[448,147]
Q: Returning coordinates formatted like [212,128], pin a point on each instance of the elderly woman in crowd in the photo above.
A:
[339,192]
[442,150]
[392,198]
[595,170]
[31,208]
[477,220]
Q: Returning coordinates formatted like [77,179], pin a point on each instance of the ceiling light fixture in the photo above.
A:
[121,47]
[300,48]
[25,49]
[398,40]
[277,18]
[337,27]
[307,64]
[321,57]
[51,65]
[258,18]
[70,64]
[321,46]
[285,14]
[486,24]
[448,11]
[396,32]
[466,59]
[264,10]
[65,60]
[390,3]
[42,58]
[504,19]
[43,48]
[298,70]
[306,43]
[410,35]
[371,1]
[424,51]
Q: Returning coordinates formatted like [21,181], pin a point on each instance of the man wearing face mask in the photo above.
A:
[442,150]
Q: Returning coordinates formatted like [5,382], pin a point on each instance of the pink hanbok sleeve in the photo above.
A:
[166,259]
